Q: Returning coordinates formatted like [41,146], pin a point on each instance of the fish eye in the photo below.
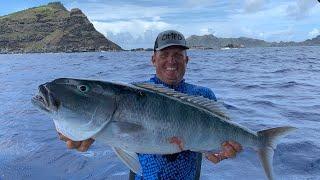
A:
[83,88]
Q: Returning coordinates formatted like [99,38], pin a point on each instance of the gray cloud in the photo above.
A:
[301,8]
[252,6]
[128,41]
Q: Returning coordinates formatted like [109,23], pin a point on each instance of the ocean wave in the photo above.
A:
[264,103]
[291,84]
[304,155]
[272,96]
[286,70]
[230,106]
[302,116]
[253,87]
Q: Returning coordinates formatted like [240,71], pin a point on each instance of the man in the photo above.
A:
[170,61]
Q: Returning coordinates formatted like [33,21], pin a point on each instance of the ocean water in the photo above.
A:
[262,88]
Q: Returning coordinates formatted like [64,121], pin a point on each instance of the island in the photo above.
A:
[212,42]
[51,28]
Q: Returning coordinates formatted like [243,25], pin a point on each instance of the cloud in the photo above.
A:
[301,8]
[135,26]
[205,31]
[259,24]
[252,6]
[134,33]
[98,11]
[315,32]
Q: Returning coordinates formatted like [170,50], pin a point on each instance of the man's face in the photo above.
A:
[170,64]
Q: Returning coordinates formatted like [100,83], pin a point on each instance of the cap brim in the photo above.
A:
[172,44]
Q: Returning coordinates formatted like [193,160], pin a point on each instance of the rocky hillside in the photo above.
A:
[312,42]
[50,28]
[213,42]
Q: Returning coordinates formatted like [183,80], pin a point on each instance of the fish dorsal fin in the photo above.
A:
[215,107]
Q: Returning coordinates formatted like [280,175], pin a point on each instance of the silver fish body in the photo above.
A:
[146,118]
[146,124]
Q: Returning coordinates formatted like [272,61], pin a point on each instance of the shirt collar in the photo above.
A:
[156,80]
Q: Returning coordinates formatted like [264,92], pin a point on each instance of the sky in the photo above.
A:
[133,24]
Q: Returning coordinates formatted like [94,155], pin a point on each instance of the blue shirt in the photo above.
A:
[174,166]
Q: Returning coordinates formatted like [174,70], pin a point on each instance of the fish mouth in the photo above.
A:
[45,99]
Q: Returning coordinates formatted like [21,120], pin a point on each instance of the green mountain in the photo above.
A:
[212,42]
[50,28]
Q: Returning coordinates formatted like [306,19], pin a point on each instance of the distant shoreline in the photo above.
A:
[191,49]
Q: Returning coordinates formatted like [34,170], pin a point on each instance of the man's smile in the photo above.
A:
[171,68]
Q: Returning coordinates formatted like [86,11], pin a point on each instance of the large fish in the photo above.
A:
[147,118]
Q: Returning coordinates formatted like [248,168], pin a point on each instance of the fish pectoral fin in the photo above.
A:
[130,159]
[126,127]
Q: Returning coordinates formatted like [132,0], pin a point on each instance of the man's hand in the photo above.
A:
[229,150]
[79,145]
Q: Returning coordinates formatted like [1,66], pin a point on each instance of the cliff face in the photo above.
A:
[203,41]
[210,41]
[50,28]
[313,42]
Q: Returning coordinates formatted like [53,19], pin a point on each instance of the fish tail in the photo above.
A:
[269,139]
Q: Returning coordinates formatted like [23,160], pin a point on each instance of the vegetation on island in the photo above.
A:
[50,28]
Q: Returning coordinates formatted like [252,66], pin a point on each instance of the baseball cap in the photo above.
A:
[170,38]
